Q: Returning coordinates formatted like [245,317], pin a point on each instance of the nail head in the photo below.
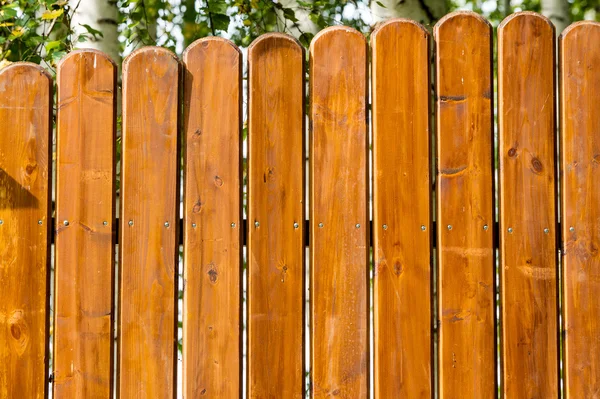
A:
[572,229]
[546,230]
[131,222]
[449,227]
[296,225]
[423,228]
[510,230]
[256,224]
[233,225]
[320,225]
[385,226]
[66,222]
[357,225]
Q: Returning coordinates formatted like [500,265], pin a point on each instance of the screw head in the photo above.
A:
[423,228]
[357,225]
[166,224]
[131,222]
[194,225]
[320,225]
[385,226]
[233,225]
[105,223]
[66,222]
[40,222]
[485,227]
[296,225]
[572,229]
[1,221]
[256,224]
[510,230]
[546,230]
[449,227]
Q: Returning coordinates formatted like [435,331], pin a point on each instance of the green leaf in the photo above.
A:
[52,45]
[52,14]
[380,4]
[220,21]
[94,32]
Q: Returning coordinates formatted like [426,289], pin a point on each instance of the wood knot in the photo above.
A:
[512,152]
[19,330]
[197,206]
[398,269]
[218,181]
[213,275]
[29,169]
[537,166]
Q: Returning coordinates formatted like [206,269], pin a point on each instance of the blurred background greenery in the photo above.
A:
[42,31]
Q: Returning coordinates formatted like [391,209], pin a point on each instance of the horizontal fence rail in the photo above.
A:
[482,252]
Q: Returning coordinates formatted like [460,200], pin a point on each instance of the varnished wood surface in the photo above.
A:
[276,206]
[339,225]
[401,195]
[149,212]
[465,207]
[528,253]
[212,348]
[580,201]
[85,209]
[25,175]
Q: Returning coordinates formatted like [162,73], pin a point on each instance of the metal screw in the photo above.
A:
[572,229]
[546,230]
[385,226]
[296,225]
[1,221]
[131,222]
[510,230]
[40,222]
[66,222]
[423,228]
[105,223]
[320,225]
[233,225]
[256,224]
[194,225]
[485,227]
[357,225]
[166,224]
[449,227]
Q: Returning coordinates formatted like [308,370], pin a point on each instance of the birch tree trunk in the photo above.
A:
[426,12]
[102,15]
[558,12]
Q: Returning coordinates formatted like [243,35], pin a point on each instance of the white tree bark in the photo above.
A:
[558,12]
[101,15]
[426,12]
[304,24]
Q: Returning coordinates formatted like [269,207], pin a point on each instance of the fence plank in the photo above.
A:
[527,206]
[212,220]
[148,247]
[276,218]
[339,214]
[25,173]
[85,211]
[465,207]
[402,252]
[580,125]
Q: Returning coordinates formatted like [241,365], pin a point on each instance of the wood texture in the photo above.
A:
[25,173]
[465,201]
[148,245]
[528,250]
[580,173]
[85,211]
[276,218]
[212,351]
[339,221]
[401,196]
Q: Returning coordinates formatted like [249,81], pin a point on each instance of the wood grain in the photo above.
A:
[465,201]
[276,274]
[580,202]
[401,206]
[148,247]
[25,176]
[85,211]
[212,349]
[528,250]
[339,214]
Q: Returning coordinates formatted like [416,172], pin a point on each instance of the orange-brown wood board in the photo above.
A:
[465,207]
[85,210]
[276,274]
[148,247]
[528,253]
[580,201]
[212,351]
[401,211]
[25,175]
[339,219]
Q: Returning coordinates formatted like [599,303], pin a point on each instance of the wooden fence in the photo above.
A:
[203,95]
